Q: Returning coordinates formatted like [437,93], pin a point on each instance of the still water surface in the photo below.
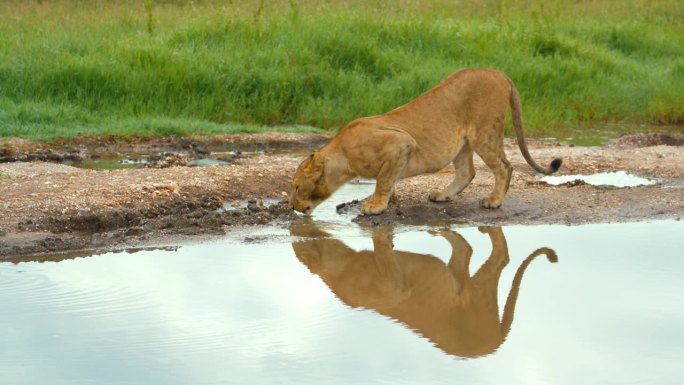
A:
[613,178]
[325,303]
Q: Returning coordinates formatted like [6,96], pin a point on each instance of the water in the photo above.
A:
[138,160]
[615,179]
[332,304]
[600,135]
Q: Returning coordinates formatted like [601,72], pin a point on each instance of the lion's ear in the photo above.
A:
[315,164]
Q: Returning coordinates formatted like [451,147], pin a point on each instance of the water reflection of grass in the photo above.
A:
[175,68]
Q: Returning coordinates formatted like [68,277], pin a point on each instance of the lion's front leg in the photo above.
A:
[384,188]
[393,164]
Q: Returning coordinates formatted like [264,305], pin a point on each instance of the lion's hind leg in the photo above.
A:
[464,174]
[502,170]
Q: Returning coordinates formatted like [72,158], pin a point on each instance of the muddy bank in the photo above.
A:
[543,205]
[56,208]
[83,149]
[123,228]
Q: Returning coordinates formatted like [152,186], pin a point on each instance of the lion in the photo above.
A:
[458,312]
[463,114]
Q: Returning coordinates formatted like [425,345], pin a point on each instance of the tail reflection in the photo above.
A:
[459,313]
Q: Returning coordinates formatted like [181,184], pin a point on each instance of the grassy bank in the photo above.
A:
[179,67]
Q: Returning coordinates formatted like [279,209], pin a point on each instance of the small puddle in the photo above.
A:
[110,163]
[615,179]
[138,160]
[329,304]
[356,190]
[257,204]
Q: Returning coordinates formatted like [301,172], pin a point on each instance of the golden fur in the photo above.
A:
[463,114]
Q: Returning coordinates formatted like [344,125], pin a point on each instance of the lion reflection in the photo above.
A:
[459,313]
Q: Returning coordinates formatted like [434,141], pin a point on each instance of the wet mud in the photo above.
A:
[206,217]
[113,229]
[595,204]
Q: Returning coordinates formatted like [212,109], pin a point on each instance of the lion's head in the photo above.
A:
[309,186]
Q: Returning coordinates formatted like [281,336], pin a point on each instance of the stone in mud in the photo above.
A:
[211,220]
[262,219]
[255,239]
[53,243]
[346,207]
[196,214]
[573,183]
[253,207]
[282,210]
[211,202]
[134,231]
[74,156]
[201,150]
[166,160]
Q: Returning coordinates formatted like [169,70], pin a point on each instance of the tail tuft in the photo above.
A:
[555,165]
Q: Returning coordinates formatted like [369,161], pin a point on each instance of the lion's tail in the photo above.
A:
[516,112]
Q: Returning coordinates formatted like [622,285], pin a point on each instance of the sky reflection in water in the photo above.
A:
[611,310]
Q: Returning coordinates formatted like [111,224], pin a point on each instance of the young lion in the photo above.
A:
[463,114]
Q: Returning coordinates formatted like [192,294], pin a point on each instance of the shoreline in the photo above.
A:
[53,208]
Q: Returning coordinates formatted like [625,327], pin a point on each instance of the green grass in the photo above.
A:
[144,68]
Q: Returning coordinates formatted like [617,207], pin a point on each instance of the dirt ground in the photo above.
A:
[49,207]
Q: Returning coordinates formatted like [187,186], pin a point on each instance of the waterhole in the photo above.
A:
[325,304]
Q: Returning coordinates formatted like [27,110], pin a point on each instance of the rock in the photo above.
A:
[134,231]
[53,243]
[167,160]
[201,150]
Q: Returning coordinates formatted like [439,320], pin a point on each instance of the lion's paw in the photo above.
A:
[489,204]
[438,196]
[371,209]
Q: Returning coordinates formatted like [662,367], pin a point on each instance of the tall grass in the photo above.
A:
[177,67]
